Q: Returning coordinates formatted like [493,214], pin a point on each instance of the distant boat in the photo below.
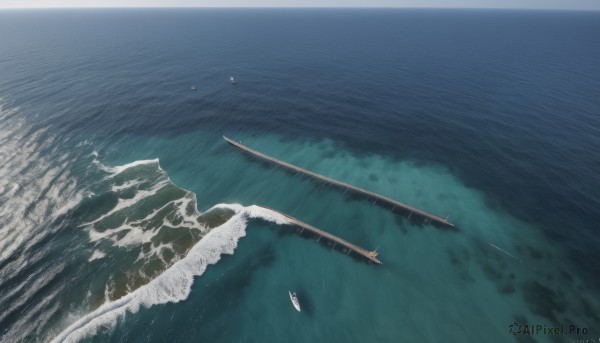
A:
[193,88]
[294,300]
[232,80]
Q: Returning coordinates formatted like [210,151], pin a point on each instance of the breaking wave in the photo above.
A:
[98,240]
[136,210]
[175,283]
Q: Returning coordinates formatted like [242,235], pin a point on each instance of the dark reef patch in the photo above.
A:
[588,311]
[328,154]
[507,288]
[565,275]
[535,254]
[543,301]
[465,276]
[453,258]
[491,273]
[459,260]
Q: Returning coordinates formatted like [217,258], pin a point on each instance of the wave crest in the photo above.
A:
[175,283]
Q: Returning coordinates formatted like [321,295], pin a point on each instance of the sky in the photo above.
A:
[518,4]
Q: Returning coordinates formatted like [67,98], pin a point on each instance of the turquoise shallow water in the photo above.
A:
[428,276]
[112,168]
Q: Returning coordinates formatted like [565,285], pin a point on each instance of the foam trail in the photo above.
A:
[149,186]
[96,255]
[119,169]
[125,203]
[175,283]
[36,186]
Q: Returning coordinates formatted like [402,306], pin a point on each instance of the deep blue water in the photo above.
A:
[489,117]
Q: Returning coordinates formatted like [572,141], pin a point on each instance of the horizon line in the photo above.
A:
[303,7]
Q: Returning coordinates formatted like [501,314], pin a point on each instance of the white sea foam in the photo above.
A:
[130,233]
[136,233]
[175,283]
[126,203]
[126,185]
[31,286]
[35,185]
[96,255]
[35,189]
[36,312]
[119,169]
[266,214]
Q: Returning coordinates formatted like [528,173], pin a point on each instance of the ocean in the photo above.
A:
[125,216]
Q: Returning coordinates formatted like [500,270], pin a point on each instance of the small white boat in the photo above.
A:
[232,80]
[294,300]
[193,88]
